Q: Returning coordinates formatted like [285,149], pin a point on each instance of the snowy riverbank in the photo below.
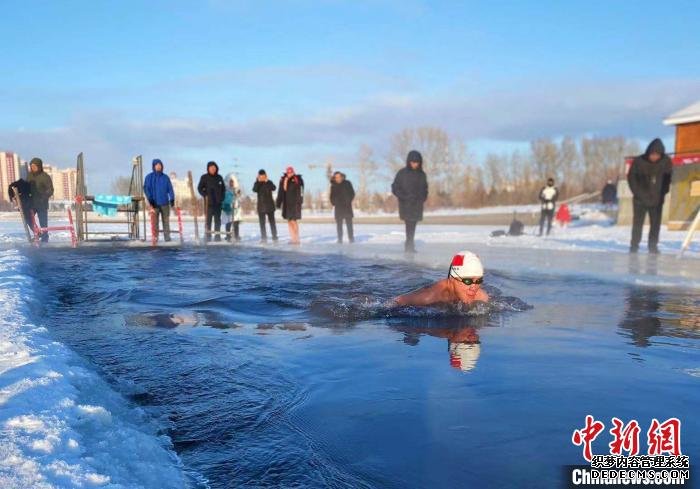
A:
[61,425]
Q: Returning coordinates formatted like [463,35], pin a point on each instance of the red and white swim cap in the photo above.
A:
[467,264]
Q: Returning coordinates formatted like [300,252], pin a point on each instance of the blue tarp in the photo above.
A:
[106,205]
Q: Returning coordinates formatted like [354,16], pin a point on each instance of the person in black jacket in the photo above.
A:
[649,179]
[411,188]
[21,189]
[342,194]
[290,197]
[266,205]
[609,194]
[213,189]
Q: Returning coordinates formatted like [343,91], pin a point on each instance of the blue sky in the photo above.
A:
[265,84]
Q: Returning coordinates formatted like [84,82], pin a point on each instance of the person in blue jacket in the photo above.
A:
[160,195]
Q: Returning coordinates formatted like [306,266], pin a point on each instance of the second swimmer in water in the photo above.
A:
[463,284]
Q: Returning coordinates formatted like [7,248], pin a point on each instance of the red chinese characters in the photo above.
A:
[625,437]
[664,437]
[586,435]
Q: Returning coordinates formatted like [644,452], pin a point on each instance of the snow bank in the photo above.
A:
[61,425]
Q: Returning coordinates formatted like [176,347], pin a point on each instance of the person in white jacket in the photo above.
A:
[231,207]
[548,199]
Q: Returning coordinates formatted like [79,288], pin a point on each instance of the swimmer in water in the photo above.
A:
[463,284]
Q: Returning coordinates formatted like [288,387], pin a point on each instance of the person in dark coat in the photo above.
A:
[22,190]
[41,190]
[290,198]
[609,193]
[411,188]
[548,200]
[213,189]
[160,195]
[342,194]
[649,179]
[266,205]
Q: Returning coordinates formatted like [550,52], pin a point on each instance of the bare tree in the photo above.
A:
[120,185]
[443,159]
[603,159]
[367,168]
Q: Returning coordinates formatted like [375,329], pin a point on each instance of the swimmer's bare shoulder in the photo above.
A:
[422,297]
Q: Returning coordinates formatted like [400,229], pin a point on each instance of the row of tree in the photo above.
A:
[457,180]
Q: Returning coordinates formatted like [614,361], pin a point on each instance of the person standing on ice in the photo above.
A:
[342,195]
[290,198]
[266,205]
[41,190]
[213,189]
[160,196]
[548,200]
[649,179]
[232,208]
[411,188]
[463,284]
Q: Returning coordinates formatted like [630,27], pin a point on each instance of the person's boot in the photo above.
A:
[654,250]
[634,249]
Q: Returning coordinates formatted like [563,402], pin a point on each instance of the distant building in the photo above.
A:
[684,203]
[687,122]
[63,182]
[9,172]
[180,187]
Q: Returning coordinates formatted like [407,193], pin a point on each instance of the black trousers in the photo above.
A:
[214,213]
[348,224]
[236,230]
[640,212]
[273,226]
[546,214]
[43,217]
[410,234]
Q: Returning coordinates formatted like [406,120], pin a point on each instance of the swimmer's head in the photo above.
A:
[464,356]
[467,272]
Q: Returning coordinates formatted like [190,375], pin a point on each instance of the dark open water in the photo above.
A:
[278,369]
